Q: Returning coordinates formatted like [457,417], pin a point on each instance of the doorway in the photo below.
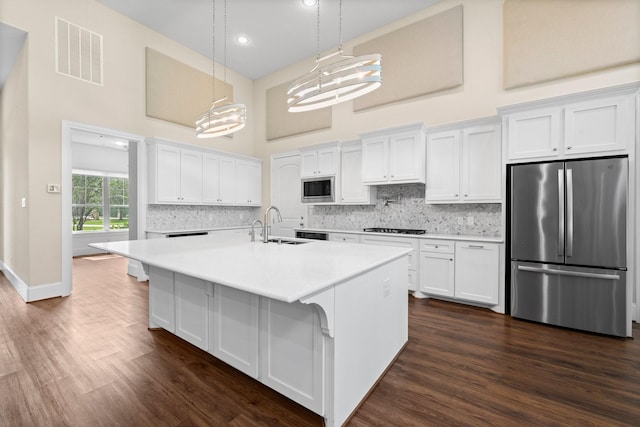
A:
[136,158]
[285,194]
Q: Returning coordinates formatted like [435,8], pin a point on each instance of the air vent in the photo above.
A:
[78,52]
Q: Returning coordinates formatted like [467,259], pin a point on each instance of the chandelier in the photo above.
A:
[346,78]
[223,118]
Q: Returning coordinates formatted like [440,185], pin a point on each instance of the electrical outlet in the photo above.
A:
[470,220]
[24,202]
[460,220]
[386,288]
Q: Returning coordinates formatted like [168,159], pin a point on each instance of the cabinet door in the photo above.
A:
[308,164]
[248,183]
[407,157]
[443,167]
[292,352]
[477,272]
[210,179]
[352,190]
[481,164]
[161,299]
[437,273]
[167,174]
[534,134]
[191,310]
[190,176]
[597,126]
[327,161]
[375,160]
[227,177]
[233,328]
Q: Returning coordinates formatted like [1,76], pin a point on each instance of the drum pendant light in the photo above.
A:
[223,118]
[332,83]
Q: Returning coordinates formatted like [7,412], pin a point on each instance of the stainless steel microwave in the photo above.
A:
[318,189]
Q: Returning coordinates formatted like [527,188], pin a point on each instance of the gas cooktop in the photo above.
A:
[393,230]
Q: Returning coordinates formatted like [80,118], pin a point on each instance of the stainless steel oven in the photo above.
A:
[318,190]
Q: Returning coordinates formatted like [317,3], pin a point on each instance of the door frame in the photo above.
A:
[66,236]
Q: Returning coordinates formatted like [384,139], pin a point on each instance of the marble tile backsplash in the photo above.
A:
[179,217]
[410,212]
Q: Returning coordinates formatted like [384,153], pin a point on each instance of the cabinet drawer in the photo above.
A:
[441,246]
[344,237]
[395,241]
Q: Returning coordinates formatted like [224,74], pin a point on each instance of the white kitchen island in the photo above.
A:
[319,322]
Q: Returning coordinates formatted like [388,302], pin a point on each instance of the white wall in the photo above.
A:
[119,104]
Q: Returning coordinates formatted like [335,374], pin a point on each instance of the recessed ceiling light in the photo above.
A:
[309,3]
[243,40]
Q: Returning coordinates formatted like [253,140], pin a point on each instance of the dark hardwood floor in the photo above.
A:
[89,360]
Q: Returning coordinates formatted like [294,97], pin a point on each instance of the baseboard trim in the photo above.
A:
[32,293]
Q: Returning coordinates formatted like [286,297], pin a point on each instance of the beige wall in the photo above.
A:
[14,134]
[479,95]
[119,104]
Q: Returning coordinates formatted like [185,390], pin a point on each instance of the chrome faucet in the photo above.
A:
[253,231]
[265,232]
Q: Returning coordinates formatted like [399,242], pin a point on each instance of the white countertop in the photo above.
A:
[471,238]
[282,272]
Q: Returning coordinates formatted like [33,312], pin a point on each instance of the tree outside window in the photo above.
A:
[93,196]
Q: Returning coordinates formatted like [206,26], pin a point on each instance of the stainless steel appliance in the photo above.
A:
[568,243]
[314,235]
[318,189]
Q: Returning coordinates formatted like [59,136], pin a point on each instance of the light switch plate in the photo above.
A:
[53,188]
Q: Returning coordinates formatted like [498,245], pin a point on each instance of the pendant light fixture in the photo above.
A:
[223,117]
[328,84]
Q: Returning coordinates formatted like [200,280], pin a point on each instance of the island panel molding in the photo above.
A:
[178,93]
[421,58]
[548,40]
[281,123]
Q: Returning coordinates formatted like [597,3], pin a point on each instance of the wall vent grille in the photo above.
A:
[78,52]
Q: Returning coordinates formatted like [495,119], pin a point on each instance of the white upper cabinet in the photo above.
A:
[181,174]
[464,165]
[175,175]
[596,126]
[599,122]
[218,179]
[319,161]
[534,134]
[394,156]
[352,191]
[248,183]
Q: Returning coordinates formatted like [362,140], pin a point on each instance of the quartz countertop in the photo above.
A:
[279,271]
[471,238]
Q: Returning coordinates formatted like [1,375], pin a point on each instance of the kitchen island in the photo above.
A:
[319,322]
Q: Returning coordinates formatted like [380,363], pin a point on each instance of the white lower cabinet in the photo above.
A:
[162,311]
[292,351]
[468,271]
[403,242]
[344,237]
[191,310]
[437,272]
[233,328]
[477,272]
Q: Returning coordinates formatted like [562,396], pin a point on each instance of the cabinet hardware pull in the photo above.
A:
[568,148]
[476,246]
[555,149]
[450,259]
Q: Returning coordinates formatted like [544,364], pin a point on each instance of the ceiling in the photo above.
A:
[281,32]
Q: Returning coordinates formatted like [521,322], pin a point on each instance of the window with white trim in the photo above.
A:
[96,194]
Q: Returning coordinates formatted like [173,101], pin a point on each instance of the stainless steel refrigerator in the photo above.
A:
[568,243]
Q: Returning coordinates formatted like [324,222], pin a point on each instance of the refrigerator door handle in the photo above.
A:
[561,212]
[569,273]
[569,250]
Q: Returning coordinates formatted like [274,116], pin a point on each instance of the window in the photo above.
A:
[95,195]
